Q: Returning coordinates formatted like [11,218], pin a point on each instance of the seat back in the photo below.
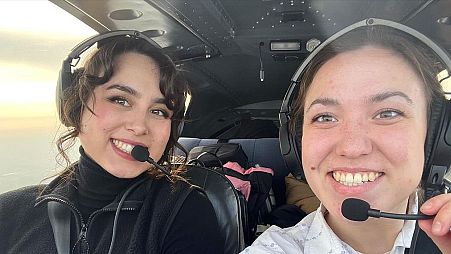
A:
[266,153]
[190,143]
[230,209]
[262,151]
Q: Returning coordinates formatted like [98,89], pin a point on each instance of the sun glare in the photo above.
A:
[34,44]
[39,17]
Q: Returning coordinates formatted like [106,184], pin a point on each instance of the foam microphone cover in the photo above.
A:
[140,153]
[355,209]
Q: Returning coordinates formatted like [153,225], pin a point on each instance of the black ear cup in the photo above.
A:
[66,74]
[297,138]
[435,124]
[437,148]
[289,141]
[290,149]
[438,140]
[64,81]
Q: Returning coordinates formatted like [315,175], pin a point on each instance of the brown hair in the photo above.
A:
[97,70]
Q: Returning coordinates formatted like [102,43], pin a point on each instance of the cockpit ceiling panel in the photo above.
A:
[144,15]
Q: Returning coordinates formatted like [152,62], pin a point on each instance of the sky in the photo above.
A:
[35,36]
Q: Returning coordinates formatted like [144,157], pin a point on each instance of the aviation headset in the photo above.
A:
[438,140]
[66,74]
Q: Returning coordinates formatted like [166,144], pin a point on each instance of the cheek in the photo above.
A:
[394,145]
[102,120]
[404,142]
[160,136]
[166,133]
[314,148]
[404,147]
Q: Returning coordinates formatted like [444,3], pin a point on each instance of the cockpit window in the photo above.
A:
[33,47]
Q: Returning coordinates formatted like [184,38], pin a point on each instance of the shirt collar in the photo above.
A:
[404,238]
[321,237]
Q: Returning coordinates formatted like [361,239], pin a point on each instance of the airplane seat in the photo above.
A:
[230,208]
[262,151]
[190,143]
[266,153]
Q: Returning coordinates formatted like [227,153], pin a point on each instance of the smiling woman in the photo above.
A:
[31,53]
[127,93]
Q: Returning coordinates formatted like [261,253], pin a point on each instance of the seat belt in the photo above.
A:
[59,217]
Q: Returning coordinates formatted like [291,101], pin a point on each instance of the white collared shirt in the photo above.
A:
[313,235]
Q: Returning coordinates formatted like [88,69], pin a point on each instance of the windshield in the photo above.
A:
[33,47]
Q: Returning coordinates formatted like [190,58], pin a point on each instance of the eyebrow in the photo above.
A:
[385,95]
[373,99]
[124,88]
[323,101]
[133,92]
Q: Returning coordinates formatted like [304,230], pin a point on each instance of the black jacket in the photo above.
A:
[157,217]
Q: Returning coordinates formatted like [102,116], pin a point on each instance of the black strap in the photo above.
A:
[177,206]
[59,217]
[421,243]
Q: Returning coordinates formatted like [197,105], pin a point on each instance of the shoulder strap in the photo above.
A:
[178,204]
[60,219]
[421,243]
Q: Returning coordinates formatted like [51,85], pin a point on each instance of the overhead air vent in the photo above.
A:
[154,33]
[286,57]
[125,14]
[292,16]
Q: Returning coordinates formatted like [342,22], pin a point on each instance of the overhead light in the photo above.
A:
[285,45]
[444,20]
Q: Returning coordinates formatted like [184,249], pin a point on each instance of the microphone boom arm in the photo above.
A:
[377,214]
[163,169]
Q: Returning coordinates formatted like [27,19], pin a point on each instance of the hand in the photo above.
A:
[438,228]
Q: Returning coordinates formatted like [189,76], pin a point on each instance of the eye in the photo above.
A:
[324,118]
[388,114]
[160,113]
[119,100]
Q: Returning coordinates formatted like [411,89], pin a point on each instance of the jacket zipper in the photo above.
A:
[91,217]
[71,206]
[83,240]
[83,234]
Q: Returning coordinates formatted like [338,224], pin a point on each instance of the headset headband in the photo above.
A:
[87,43]
[66,76]
[441,53]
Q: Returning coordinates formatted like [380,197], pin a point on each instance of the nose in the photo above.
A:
[354,140]
[136,123]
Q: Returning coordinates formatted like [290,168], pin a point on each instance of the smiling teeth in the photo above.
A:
[127,148]
[355,179]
